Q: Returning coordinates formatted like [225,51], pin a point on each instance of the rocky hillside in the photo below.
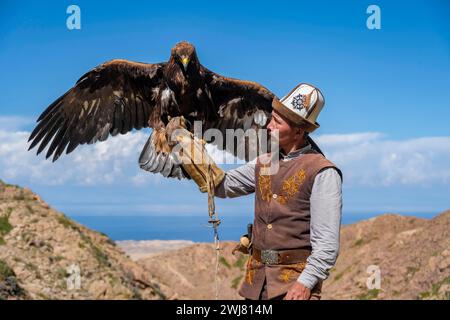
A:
[412,254]
[45,255]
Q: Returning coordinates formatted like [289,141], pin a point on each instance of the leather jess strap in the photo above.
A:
[280,256]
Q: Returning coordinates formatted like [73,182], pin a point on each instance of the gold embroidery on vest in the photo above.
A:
[289,189]
[286,275]
[291,272]
[252,264]
[265,187]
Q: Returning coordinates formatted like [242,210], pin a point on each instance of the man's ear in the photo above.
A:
[299,131]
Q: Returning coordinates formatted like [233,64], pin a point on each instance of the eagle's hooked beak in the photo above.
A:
[185,62]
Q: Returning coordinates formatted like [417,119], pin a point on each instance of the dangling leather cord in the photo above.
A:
[215,221]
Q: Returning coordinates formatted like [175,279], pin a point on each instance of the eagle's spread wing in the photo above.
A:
[112,98]
[241,105]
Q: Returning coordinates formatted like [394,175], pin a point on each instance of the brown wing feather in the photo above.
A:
[113,98]
[238,102]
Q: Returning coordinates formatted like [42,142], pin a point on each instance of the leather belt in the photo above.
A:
[280,256]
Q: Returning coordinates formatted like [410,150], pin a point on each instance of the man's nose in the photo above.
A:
[269,127]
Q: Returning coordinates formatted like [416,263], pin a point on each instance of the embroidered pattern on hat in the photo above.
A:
[299,101]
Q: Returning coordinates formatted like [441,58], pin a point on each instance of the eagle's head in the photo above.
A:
[183,54]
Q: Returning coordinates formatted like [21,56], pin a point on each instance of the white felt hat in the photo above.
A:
[301,106]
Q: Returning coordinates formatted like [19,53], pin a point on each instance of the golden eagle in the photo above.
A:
[119,95]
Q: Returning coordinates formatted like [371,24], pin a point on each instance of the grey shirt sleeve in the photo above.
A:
[326,212]
[237,182]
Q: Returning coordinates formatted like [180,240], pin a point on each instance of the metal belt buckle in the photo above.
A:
[269,256]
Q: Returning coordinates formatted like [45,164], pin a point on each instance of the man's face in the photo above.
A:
[287,132]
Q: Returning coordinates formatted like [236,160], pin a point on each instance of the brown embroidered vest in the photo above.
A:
[282,221]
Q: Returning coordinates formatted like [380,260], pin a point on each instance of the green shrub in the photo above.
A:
[101,257]
[338,276]
[66,222]
[224,261]
[369,295]
[435,287]
[235,282]
[358,243]
[5,271]
[5,226]
[240,262]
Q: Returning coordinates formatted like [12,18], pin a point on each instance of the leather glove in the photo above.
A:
[194,158]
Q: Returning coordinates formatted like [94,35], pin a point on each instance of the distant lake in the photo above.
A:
[193,228]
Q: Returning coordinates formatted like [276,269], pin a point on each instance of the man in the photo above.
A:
[295,238]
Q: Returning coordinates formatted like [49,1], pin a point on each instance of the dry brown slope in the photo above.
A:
[413,256]
[38,244]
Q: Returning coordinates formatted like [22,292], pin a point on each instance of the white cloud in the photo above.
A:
[343,140]
[112,161]
[14,123]
[108,162]
[366,159]
[370,159]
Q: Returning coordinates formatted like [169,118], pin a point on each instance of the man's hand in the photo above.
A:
[298,292]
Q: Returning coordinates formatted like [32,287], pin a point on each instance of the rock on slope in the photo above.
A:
[41,249]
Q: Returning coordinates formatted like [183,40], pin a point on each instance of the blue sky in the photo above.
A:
[385,122]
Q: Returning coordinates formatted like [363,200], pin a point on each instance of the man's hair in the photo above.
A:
[302,125]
